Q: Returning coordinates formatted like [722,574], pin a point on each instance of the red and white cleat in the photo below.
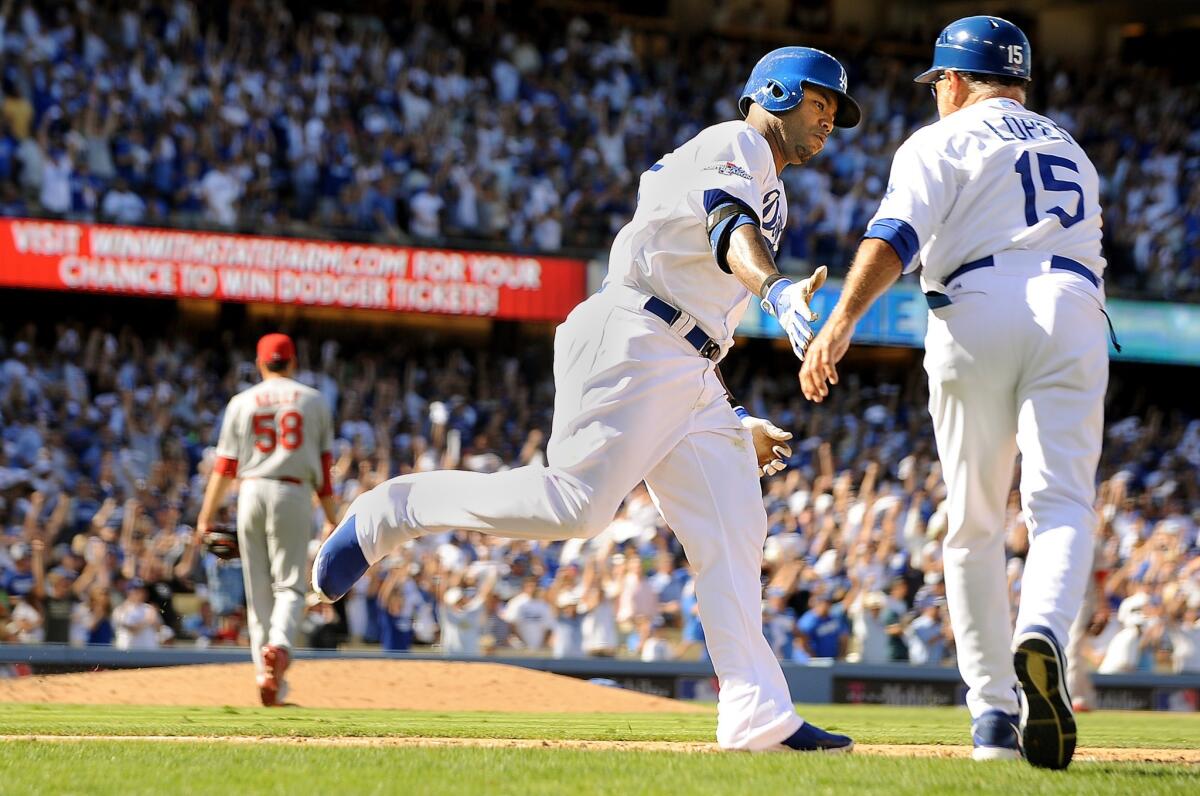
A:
[271,687]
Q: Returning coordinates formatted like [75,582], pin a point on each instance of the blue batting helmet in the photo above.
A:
[777,82]
[984,45]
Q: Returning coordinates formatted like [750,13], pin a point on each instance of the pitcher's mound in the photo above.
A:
[399,685]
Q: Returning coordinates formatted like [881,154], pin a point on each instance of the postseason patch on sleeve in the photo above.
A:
[729,169]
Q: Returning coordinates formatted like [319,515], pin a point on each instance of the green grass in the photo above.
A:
[867,723]
[132,767]
[125,767]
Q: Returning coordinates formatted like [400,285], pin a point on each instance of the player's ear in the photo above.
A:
[958,86]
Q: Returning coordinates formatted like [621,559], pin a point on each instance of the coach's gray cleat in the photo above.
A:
[1047,721]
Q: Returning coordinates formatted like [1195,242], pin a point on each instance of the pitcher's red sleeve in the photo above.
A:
[326,480]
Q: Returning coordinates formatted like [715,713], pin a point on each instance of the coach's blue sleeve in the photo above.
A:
[899,235]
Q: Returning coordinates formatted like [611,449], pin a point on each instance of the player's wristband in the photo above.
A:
[773,288]
[765,288]
[741,412]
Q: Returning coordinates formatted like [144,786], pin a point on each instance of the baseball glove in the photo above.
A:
[222,543]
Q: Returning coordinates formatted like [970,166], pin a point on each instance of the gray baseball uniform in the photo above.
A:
[277,437]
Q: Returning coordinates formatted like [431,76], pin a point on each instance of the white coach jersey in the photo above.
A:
[278,429]
[664,249]
[990,178]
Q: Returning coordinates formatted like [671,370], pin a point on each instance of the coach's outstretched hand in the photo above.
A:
[820,369]
[788,302]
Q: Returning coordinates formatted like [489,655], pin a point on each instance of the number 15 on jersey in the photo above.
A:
[1046,164]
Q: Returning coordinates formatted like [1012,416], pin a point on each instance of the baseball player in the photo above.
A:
[277,437]
[639,396]
[999,206]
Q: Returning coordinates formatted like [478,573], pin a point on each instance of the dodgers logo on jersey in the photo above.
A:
[772,219]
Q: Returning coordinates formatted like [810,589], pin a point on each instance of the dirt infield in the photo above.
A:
[397,685]
[1083,754]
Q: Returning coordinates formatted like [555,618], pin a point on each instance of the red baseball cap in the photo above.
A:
[276,348]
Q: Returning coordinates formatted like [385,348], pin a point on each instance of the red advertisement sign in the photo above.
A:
[100,258]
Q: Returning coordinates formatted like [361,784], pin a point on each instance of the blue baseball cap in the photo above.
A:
[777,82]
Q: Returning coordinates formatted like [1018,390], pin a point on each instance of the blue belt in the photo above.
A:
[937,300]
[705,345]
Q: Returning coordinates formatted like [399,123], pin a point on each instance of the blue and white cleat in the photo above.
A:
[339,563]
[1047,721]
[810,738]
[997,736]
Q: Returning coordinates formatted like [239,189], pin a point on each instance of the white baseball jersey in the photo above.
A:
[664,250]
[278,429]
[990,178]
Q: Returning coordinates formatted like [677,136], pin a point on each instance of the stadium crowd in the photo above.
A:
[529,130]
[108,440]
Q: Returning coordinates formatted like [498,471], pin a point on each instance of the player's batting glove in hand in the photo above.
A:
[770,442]
[788,302]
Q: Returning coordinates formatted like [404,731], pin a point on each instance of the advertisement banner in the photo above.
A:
[881,691]
[1148,331]
[100,258]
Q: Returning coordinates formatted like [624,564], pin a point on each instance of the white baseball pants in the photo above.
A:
[274,525]
[634,402]
[1018,362]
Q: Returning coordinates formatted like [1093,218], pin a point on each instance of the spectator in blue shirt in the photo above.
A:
[19,580]
[395,623]
[394,615]
[779,623]
[8,152]
[667,583]
[822,632]
[927,633]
